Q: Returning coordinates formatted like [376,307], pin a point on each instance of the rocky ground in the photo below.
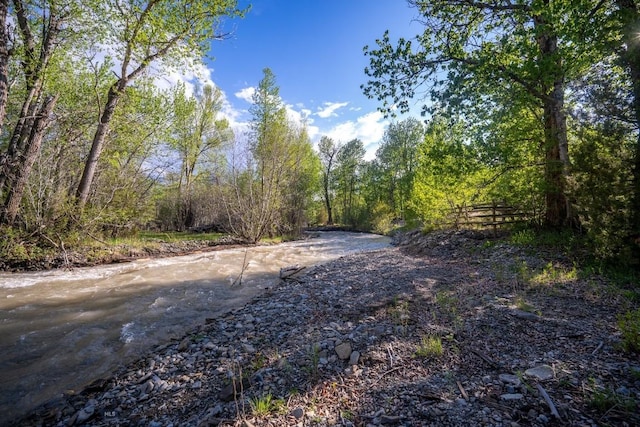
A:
[451,329]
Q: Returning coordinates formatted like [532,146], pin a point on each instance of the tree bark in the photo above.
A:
[631,58]
[90,166]
[4,61]
[26,160]
[34,65]
[559,212]
[327,196]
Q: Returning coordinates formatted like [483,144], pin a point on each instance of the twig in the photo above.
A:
[485,358]
[385,373]
[238,280]
[464,393]
[547,399]
[390,355]
[598,348]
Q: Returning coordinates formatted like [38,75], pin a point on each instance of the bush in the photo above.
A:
[629,324]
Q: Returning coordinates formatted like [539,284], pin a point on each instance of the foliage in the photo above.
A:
[629,324]
[449,175]
[349,171]
[269,194]
[395,166]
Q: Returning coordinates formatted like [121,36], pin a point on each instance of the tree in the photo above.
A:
[629,14]
[349,163]
[40,35]
[268,194]
[468,47]
[396,161]
[196,132]
[5,53]
[328,150]
[143,32]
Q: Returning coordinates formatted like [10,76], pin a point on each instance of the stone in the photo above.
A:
[343,350]
[511,396]
[510,379]
[354,358]
[85,414]
[297,413]
[541,372]
[248,348]
[231,391]
[390,419]
[184,344]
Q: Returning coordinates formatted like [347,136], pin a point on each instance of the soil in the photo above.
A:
[447,329]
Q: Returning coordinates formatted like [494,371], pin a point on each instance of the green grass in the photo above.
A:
[266,405]
[430,346]
[629,325]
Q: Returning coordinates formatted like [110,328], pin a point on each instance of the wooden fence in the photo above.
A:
[494,215]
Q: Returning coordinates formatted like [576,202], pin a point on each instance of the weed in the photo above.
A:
[313,354]
[347,415]
[523,237]
[604,400]
[523,273]
[523,305]
[399,312]
[266,405]
[629,324]
[430,346]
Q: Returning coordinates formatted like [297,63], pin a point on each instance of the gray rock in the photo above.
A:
[86,413]
[541,372]
[390,419]
[509,379]
[343,350]
[511,396]
[354,358]
[297,413]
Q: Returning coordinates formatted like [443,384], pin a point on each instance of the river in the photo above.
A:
[60,330]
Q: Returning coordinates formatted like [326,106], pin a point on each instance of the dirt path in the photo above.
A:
[446,330]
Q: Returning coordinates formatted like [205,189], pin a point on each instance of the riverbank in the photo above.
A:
[448,329]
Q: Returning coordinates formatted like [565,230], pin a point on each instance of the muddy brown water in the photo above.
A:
[61,330]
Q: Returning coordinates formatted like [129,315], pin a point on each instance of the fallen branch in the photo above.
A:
[464,393]
[547,399]
[486,359]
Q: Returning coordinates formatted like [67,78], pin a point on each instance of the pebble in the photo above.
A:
[270,345]
[511,396]
[541,372]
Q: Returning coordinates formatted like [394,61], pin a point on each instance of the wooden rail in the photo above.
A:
[494,215]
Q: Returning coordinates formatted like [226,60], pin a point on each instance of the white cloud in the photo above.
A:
[330,109]
[368,128]
[246,94]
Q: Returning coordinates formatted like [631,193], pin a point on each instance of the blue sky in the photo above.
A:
[314,48]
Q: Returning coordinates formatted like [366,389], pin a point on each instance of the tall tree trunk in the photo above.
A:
[631,58]
[26,160]
[4,61]
[327,199]
[559,212]
[90,166]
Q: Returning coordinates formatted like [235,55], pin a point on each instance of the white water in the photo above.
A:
[60,330]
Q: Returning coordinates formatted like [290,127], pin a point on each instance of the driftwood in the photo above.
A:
[547,399]
[290,271]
